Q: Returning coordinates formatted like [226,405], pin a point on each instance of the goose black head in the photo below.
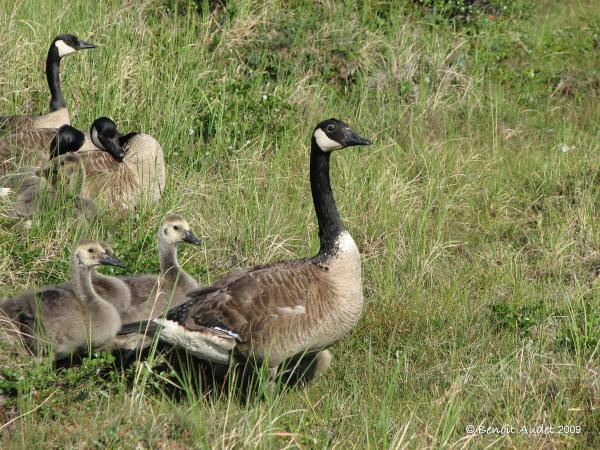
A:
[95,253]
[105,136]
[68,139]
[66,44]
[333,134]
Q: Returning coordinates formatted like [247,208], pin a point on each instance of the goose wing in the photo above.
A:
[26,147]
[247,305]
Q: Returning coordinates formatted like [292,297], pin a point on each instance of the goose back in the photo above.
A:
[140,176]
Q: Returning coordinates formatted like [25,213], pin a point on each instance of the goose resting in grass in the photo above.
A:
[122,181]
[61,46]
[70,317]
[36,191]
[281,311]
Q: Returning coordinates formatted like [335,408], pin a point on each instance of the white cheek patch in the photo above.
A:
[5,192]
[324,142]
[63,48]
[96,139]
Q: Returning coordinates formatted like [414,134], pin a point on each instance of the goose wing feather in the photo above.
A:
[247,304]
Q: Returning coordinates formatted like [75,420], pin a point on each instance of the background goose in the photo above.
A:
[62,45]
[35,147]
[35,190]
[68,317]
[275,312]
[123,182]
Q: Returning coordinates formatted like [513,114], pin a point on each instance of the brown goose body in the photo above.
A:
[69,317]
[61,46]
[280,311]
[140,176]
[52,120]
[25,148]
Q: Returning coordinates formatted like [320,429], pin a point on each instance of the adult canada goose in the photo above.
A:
[152,295]
[275,312]
[123,180]
[36,147]
[72,316]
[62,45]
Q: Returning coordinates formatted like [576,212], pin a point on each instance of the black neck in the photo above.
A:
[330,225]
[52,68]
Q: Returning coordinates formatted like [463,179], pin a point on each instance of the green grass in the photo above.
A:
[479,236]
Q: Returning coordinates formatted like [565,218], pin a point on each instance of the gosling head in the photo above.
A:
[95,253]
[66,167]
[68,139]
[333,134]
[66,44]
[175,230]
[105,136]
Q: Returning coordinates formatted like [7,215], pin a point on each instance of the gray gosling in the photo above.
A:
[34,191]
[70,317]
[153,295]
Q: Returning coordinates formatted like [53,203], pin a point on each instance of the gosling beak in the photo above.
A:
[109,259]
[82,45]
[190,238]
[351,138]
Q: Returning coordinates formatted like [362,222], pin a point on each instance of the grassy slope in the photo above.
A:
[478,234]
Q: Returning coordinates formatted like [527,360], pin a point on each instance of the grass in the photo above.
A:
[475,212]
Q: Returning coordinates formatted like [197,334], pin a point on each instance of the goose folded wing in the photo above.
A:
[245,303]
[97,163]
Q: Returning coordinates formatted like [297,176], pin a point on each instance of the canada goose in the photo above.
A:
[275,312]
[69,316]
[36,147]
[122,180]
[62,45]
[152,295]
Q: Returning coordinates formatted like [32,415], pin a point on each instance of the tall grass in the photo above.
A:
[477,229]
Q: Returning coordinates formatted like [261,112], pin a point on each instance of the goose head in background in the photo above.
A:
[62,45]
[67,140]
[105,136]
[65,44]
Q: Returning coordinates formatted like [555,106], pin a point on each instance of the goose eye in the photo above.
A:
[330,127]
[176,227]
[91,250]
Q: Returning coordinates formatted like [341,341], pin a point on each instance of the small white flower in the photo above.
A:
[191,131]
[264,97]
[564,148]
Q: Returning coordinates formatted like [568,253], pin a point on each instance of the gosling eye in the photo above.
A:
[91,250]
[330,127]
[176,227]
